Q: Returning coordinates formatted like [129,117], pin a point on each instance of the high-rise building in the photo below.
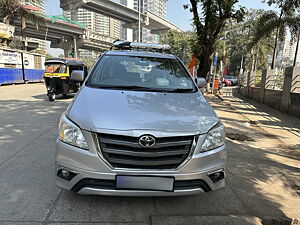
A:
[157,7]
[286,52]
[126,33]
[98,24]
[290,49]
[40,4]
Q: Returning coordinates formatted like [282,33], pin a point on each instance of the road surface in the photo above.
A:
[262,181]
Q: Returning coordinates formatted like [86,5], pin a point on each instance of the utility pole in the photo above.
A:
[75,47]
[296,53]
[139,8]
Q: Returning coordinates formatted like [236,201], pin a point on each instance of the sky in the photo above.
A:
[176,14]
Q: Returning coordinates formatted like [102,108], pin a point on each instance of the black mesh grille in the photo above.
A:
[126,152]
[111,184]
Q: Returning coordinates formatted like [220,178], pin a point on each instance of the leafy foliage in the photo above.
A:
[209,22]
[180,42]
[48,56]
[238,43]
[89,61]
[273,21]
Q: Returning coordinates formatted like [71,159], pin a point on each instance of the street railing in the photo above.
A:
[275,81]
[280,90]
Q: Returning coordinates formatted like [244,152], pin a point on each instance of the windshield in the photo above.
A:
[141,73]
[56,68]
[230,77]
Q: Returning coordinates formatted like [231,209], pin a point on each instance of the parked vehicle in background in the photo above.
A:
[230,80]
[58,76]
[139,126]
[225,82]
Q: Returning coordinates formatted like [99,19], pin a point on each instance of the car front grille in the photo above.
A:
[126,152]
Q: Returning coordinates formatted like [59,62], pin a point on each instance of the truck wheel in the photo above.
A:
[51,97]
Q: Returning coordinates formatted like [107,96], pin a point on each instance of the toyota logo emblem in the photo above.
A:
[147,141]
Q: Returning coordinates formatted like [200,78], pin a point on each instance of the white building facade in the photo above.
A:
[37,3]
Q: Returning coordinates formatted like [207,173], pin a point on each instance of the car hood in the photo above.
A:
[100,110]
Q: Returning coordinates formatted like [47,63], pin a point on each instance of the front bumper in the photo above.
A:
[93,176]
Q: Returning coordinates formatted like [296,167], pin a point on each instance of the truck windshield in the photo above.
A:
[141,73]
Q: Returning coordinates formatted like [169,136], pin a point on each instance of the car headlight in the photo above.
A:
[214,138]
[70,133]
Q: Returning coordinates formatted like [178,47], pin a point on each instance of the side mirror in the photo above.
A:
[77,75]
[201,82]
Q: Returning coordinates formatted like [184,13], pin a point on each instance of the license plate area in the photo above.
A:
[146,183]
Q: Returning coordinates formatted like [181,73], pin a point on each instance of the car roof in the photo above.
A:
[140,53]
[68,62]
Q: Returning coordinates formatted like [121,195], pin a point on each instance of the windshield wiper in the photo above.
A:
[142,88]
[181,90]
[121,87]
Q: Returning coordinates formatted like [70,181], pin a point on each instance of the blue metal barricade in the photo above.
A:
[11,76]
[33,75]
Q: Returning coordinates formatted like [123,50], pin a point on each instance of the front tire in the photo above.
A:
[51,97]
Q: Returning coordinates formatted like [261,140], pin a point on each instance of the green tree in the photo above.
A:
[180,43]
[278,21]
[48,56]
[238,41]
[209,19]
[89,61]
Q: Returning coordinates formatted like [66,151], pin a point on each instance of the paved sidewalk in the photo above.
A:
[284,126]
[269,157]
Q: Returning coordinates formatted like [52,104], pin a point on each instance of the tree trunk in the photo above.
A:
[274,51]
[296,52]
[276,42]
[204,65]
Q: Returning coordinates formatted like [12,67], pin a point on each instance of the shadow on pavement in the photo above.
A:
[272,118]
[28,129]
[58,97]
[258,184]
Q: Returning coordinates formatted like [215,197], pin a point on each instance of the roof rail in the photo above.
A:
[126,45]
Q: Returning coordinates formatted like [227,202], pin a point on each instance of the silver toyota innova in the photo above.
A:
[139,126]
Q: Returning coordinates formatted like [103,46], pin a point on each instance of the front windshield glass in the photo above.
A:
[56,68]
[141,73]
